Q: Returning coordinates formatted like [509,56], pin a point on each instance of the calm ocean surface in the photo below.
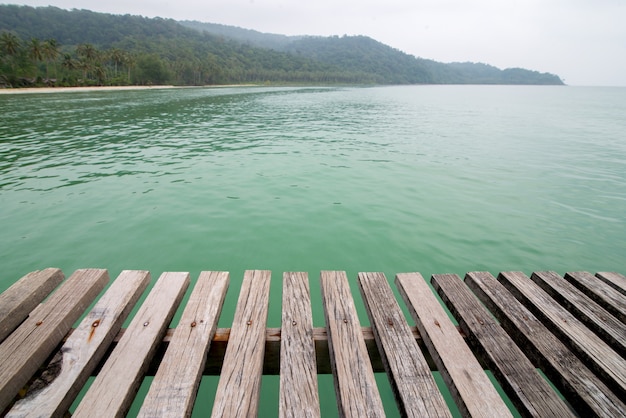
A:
[435,179]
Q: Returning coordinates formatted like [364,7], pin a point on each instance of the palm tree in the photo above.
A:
[35,52]
[50,51]
[9,43]
[10,46]
[87,51]
[68,62]
[129,61]
[88,55]
[117,56]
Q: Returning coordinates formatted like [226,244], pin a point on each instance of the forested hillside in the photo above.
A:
[52,46]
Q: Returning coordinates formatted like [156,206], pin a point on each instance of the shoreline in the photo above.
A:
[31,90]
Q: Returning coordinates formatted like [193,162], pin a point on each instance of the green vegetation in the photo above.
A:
[52,46]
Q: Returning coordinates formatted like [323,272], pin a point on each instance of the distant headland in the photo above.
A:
[49,46]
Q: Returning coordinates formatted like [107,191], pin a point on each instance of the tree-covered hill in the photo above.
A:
[48,45]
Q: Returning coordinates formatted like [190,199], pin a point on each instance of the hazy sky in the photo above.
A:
[582,41]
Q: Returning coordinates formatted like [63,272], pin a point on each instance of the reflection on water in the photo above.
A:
[420,170]
[434,179]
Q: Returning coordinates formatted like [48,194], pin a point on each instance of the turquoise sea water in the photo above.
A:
[435,179]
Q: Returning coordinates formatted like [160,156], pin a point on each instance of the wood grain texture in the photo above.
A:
[24,295]
[173,390]
[298,394]
[471,388]
[603,294]
[114,389]
[599,357]
[82,351]
[35,339]
[355,386]
[415,389]
[615,280]
[239,387]
[585,391]
[529,391]
[585,309]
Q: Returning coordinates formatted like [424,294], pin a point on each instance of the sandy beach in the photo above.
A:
[30,90]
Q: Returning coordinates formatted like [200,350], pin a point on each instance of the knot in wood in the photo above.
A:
[193,324]
[390,322]
[39,323]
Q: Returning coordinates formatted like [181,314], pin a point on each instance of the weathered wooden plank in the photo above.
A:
[595,317]
[585,391]
[113,390]
[298,379]
[355,386]
[24,295]
[415,389]
[173,390]
[35,339]
[529,391]
[239,387]
[471,388]
[615,280]
[603,360]
[605,295]
[52,396]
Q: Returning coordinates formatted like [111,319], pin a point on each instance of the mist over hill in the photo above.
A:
[125,49]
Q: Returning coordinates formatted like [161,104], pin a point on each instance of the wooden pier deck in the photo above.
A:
[525,330]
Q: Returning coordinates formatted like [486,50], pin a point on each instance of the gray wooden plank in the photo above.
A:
[82,351]
[355,386]
[471,388]
[35,339]
[24,295]
[605,295]
[585,391]
[298,394]
[239,387]
[414,387]
[599,357]
[585,309]
[115,386]
[173,390]
[615,280]
[528,390]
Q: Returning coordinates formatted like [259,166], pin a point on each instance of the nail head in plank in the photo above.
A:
[36,338]
[601,358]
[298,369]
[113,390]
[415,389]
[173,390]
[239,386]
[585,309]
[602,293]
[84,348]
[615,280]
[473,391]
[585,391]
[355,385]
[20,299]
[528,390]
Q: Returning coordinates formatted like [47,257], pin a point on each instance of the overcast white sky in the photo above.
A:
[582,41]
